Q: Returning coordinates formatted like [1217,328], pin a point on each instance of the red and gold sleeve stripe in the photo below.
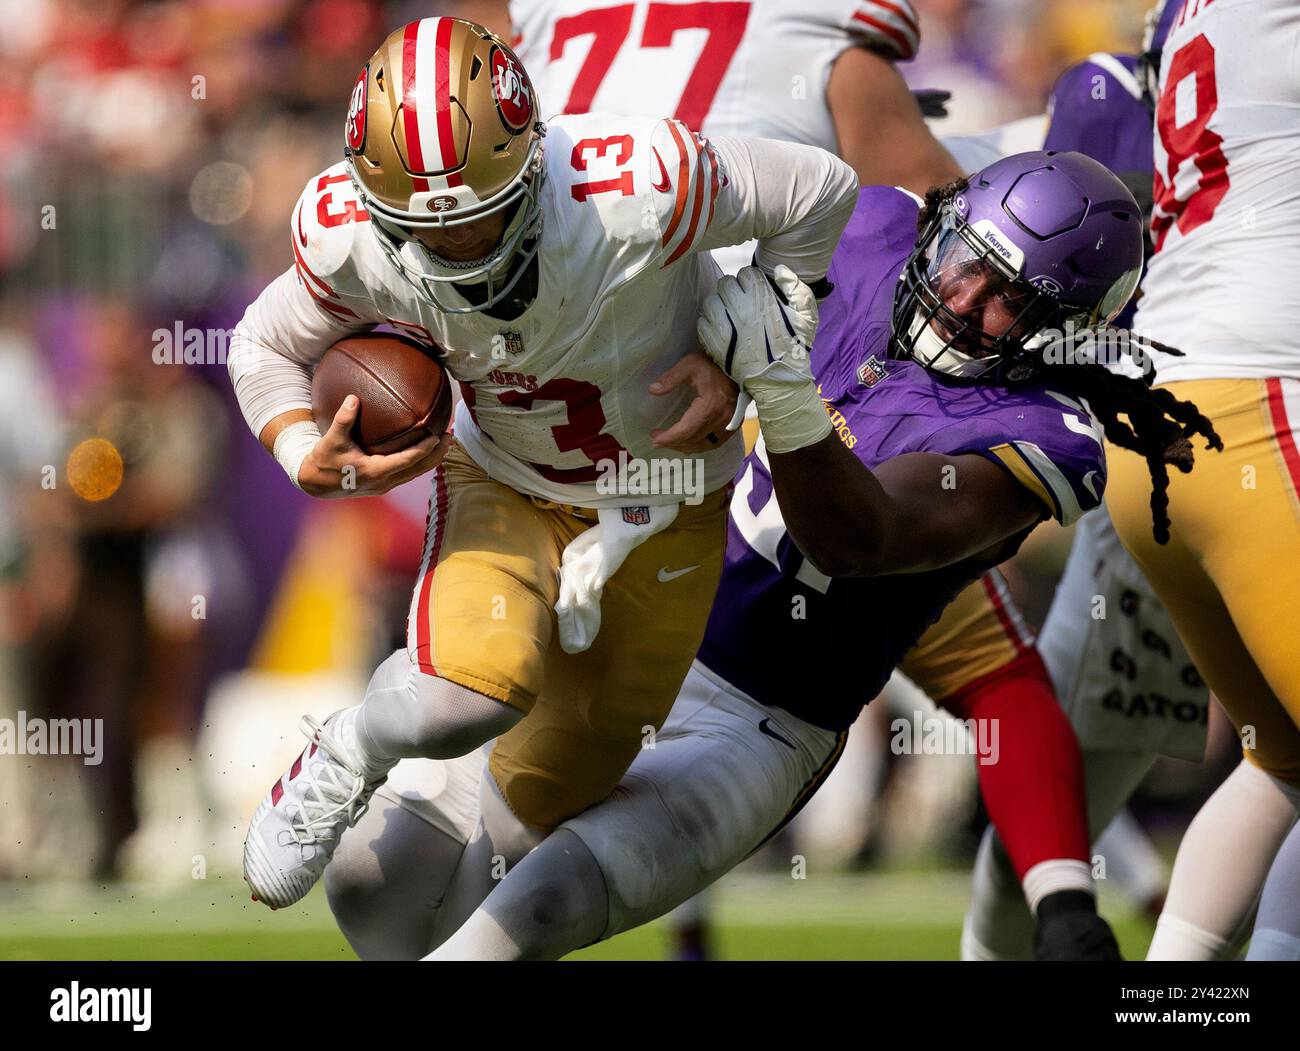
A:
[697,180]
[891,23]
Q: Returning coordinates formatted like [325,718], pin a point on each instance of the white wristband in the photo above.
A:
[791,417]
[292,446]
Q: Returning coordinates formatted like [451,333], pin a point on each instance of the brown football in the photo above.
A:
[405,394]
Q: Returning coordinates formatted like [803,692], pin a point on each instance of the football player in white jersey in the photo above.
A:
[1221,286]
[557,270]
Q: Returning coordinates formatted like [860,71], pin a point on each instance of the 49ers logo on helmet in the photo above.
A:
[354,131]
[511,89]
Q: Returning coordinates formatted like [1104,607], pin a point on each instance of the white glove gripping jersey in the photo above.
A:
[631,206]
[1221,285]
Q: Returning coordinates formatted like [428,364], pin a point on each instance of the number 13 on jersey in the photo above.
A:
[618,150]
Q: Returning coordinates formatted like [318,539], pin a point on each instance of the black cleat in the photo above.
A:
[1069,929]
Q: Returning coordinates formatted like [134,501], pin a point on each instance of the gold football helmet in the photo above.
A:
[442,130]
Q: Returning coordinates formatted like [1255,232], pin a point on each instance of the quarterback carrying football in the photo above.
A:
[557,270]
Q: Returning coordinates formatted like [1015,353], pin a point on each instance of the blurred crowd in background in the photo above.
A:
[152,153]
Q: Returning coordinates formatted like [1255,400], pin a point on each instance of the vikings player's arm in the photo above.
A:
[287,330]
[917,511]
[878,122]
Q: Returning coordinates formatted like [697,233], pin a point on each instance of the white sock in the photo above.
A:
[1277,930]
[1274,945]
[1048,877]
[552,902]
[479,938]
[1221,865]
[347,729]
[408,714]
[1176,939]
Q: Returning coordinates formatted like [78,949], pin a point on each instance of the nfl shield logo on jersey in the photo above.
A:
[512,342]
[636,516]
[871,372]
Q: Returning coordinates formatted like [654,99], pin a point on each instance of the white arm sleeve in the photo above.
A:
[794,199]
[275,347]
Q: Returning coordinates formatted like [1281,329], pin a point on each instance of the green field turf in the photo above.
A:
[894,915]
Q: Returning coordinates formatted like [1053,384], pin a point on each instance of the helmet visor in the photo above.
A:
[974,303]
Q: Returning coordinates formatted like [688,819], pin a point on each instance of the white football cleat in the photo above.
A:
[297,827]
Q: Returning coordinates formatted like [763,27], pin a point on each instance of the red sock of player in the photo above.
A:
[1034,791]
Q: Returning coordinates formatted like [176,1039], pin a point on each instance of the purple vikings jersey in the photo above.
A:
[821,648]
[1097,109]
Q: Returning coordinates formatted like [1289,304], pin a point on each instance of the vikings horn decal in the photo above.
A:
[354,131]
[511,91]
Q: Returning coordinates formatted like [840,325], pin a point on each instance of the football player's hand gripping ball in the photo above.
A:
[336,466]
[760,331]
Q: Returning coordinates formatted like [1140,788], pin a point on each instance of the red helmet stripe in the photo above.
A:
[410,111]
[442,84]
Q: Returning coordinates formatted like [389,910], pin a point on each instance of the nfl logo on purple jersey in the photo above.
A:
[871,372]
[637,516]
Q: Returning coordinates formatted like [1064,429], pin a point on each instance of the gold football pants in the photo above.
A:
[1230,574]
[482,615]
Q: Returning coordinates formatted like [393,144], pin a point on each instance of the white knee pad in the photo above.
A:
[409,714]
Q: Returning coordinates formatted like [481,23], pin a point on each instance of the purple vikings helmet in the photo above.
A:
[1035,241]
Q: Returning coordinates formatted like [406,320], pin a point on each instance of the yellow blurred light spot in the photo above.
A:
[94,469]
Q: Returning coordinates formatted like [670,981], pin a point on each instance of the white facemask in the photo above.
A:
[931,351]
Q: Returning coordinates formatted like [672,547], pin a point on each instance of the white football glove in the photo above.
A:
[760,333]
